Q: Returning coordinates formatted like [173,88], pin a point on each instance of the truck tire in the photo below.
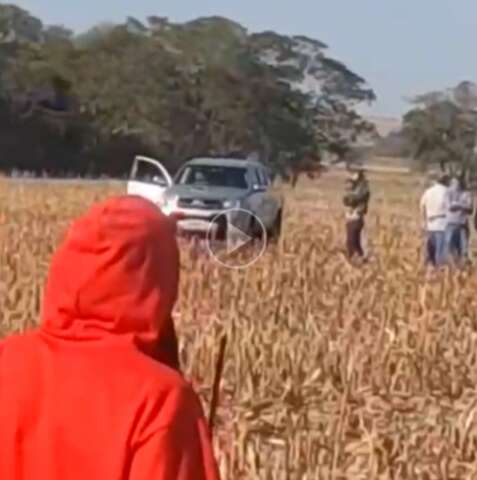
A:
[276,230]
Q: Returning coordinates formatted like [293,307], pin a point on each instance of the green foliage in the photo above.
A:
[442,133]
[180,90]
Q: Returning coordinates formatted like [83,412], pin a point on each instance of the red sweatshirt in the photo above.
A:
[94,393]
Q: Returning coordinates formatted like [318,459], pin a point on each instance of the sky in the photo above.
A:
[401,47]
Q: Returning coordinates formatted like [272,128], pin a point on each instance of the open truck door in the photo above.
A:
[148,179]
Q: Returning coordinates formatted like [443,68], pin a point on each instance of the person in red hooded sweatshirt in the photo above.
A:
[95,393]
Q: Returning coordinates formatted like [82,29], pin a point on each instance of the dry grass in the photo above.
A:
[332,371]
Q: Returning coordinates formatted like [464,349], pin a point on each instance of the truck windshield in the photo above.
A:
[214,176]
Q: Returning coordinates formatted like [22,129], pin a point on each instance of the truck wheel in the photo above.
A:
[221,233]
[255,230]
[276,230]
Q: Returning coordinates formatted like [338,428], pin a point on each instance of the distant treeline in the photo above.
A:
[88,104]
[45,145]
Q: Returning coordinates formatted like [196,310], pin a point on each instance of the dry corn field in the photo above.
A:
[332,371]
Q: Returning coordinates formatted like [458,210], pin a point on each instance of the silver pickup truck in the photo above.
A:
[211,193]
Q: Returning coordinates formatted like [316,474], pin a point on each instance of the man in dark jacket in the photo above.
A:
[356,201]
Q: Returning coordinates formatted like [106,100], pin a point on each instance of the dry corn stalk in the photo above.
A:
[335,371]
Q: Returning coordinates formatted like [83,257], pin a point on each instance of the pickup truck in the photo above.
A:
[212,193]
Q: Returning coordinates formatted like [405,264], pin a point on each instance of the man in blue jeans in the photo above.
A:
[434,209]
[460,209]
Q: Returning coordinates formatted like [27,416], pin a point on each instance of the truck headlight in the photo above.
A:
[168,204]
[231,204]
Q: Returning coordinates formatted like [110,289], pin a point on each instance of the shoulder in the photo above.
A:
[146,370]
[167,401]
[448,195]
[144,382]
[160,383]
[440,190]
[426,194]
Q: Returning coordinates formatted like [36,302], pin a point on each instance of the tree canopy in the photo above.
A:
[442,128]
[88,103]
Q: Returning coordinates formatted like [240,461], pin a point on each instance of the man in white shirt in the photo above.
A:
[460,209]
[434,209]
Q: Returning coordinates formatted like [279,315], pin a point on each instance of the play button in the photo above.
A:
[236,239]
[245,239]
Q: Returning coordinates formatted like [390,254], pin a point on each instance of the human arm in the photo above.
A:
[178,449]
[423,209]
[358,195]
[456,201]
[467,206]
[455,207]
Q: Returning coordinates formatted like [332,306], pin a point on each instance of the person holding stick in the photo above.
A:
[95,392]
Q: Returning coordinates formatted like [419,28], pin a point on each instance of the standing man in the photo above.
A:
[454,221]
[356,200]
[434,207]
[467,209]
[460,209]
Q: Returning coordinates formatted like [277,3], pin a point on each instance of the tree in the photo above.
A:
[179,90]
[443,130]
[329,90]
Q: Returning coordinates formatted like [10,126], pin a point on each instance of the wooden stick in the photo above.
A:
[216,387]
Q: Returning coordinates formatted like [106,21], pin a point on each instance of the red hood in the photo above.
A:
[77,399]
[116,277]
